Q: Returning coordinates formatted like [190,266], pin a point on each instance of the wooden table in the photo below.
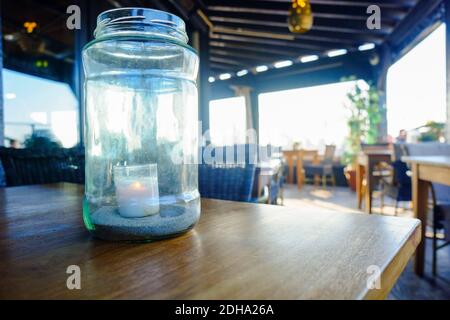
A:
[425,169]
[296,157]
[367,160]
[236,251]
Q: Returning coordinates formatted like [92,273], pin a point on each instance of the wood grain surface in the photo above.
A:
[236,251]
[425,169]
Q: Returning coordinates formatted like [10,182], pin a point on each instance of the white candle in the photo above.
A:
[137,192]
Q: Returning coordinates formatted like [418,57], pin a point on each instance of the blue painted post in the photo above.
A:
[385,62]
[255,111]
[2,119]
[447,45]
[200,42]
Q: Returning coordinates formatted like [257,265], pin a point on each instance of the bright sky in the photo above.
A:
[304,115]
[47,104]
[416,89]
[313,116]
[227,121]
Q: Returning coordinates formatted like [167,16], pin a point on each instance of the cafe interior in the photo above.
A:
[319,134]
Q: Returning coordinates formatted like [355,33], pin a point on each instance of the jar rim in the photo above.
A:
[134,18]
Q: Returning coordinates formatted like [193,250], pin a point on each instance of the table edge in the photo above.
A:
[420,161]
[396,265]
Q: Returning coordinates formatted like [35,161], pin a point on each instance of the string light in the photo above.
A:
[41,63]
[30,26]
[300,19]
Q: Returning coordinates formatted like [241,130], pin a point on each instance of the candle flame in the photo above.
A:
[136,185]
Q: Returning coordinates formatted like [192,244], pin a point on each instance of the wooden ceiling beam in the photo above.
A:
[241,63]
[222,67]
[280,43]
[314,36]
[227,61]
[352,3]
[319,25]
[239,54]
[325,12]
[285,52]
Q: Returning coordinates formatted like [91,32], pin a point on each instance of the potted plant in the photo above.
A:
[432,131]
[363,105]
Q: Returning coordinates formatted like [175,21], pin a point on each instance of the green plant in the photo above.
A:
[363,104]
[432,131]
[41,142]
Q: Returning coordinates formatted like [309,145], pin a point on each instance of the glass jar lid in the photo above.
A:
[132,21]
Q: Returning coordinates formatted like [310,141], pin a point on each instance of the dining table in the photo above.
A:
[367,161]
[425,170]
[237,250]
[295,159]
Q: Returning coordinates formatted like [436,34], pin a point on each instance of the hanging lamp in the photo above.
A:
[300,18]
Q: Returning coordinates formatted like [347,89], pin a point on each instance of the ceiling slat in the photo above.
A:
[239,54]
[331,37]
[229,61]
[351,3]
[237,22]
[325,12]
[284,53]
[266,42]
[220,66]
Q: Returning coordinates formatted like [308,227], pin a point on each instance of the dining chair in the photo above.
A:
[396,185]
[323,169]
[276,186]
[440,195]
[226,182]
[35,166]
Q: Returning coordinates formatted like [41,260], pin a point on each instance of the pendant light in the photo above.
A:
[300,18]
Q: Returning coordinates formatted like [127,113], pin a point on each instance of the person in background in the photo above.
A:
[14,143]
[402,136]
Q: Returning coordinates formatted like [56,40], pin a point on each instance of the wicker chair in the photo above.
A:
[35,166]
[226,182]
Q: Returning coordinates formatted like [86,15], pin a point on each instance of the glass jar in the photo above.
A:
[141,127]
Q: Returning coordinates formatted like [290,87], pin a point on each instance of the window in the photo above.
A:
[227,119]
[41,107]
[313,116]
[416,85]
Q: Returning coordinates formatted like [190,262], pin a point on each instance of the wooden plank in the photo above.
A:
[237,22]
[277,43]
[319,38]
[226,52]
[425,169]
[220,68]
[420,207]
[269,52]
[356,24]
[320,11]
[435,174]
[241,64]
[236,251]
[354,3]
[438,161]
